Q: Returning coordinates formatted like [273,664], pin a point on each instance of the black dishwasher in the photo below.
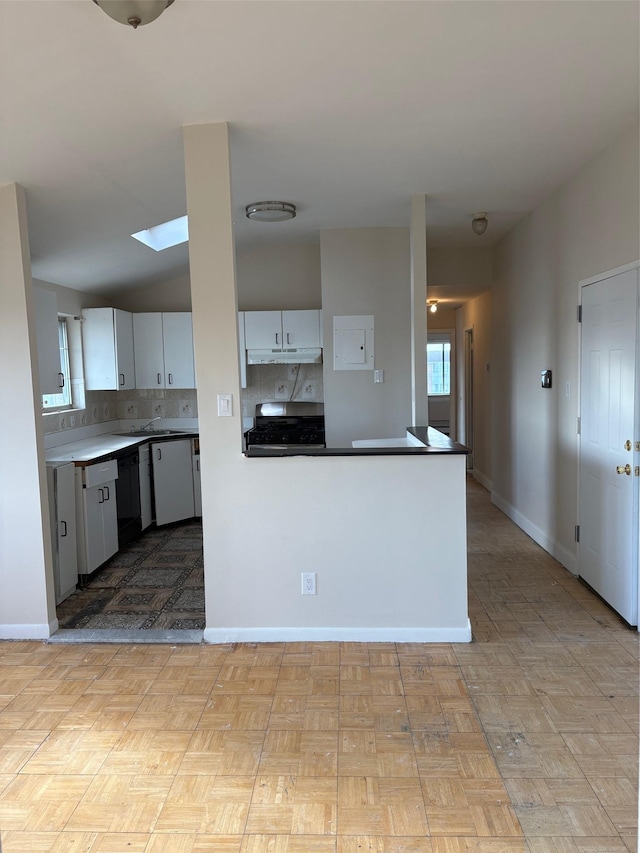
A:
[128,496]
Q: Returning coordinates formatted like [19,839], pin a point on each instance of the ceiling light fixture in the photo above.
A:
[270,211]
[433,305]
[479,223]
[135,13]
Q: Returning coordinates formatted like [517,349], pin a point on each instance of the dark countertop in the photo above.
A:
[435,443]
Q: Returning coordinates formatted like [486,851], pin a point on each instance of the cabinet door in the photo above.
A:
[47,339]
[93,499]
[301,328]
[197,491]
[144,468]
[67,573]
[123,328]
[148,350]
[263,329]
[177,330]
[242,349]
[172,480]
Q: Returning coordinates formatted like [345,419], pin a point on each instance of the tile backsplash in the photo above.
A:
[268,382]
[102,406]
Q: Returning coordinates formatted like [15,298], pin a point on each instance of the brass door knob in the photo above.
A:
[624,469]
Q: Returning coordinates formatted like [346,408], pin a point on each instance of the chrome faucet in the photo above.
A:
[153,420]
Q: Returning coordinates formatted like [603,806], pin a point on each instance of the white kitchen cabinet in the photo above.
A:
[47,339]
[62,509]
[242,349]
[163,345]
[282,329]
[107,335]
[172,480]
[97,515]
[144,467]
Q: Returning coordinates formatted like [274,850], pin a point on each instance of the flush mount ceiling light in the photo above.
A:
[270,211]
[433,305]
[135,13]
[479,223]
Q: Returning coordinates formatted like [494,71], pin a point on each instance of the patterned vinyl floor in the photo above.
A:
[156,582]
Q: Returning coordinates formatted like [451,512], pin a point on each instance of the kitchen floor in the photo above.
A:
[523,741]
[155,582]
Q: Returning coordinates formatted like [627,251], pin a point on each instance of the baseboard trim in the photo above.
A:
[557,551]
[345,635]
[41,631]
[482,479]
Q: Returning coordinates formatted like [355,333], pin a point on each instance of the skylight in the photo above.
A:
[165,235]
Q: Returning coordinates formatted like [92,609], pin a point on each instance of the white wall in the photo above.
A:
[70,301]
[367,271]
[591,224]
[279,277]
[476,315]
[27,606]
[171,295]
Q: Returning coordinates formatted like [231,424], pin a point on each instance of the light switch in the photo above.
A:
[378,375]
[225,405]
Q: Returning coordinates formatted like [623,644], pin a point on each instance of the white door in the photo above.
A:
[148,350]
[177,330]
[123,322]
[172,480]
[263,329]
[608,488]
[110,519]
[66,522]
[94,527]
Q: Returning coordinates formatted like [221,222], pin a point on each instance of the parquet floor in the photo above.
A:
[524,741]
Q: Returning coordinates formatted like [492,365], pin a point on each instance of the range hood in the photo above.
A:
[303,355]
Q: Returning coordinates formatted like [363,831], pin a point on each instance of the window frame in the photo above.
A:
[444,339]
[64,400]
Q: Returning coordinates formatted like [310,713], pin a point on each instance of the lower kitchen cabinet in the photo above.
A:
[62,509]
[146,507]
[172,480]
[197,491]
[97,514]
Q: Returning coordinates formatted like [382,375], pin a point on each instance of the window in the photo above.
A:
[439,366]
[61,400]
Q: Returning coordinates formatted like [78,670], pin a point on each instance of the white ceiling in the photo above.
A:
[344,108]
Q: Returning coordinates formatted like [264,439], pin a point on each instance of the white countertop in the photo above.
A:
[89,449]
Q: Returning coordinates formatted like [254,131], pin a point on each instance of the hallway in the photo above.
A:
[523,741]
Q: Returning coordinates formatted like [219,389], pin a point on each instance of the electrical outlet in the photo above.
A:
[308,583]
[292,371]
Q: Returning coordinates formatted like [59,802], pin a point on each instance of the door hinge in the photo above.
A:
[579,313]
[578,425]
[577,533]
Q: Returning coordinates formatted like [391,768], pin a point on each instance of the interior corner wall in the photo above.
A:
[591,224]
[70,301]
[171,295]
[476,315]
[366,271]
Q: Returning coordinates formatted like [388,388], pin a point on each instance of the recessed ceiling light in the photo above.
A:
[165,235]
[270,211]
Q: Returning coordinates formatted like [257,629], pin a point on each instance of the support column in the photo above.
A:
[419,398]
[27,603]
[215,326]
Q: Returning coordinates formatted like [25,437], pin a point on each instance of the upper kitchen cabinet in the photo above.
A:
[163,345]
[282,329]
[48,340]
[108,349]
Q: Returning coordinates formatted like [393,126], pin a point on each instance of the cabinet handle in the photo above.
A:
[171,379]
[159,379]
[61,382]
[288,337]
[121,378]
[198,464]
[102,493]
[106,488]
[62,535]
[159,454]
[277,336]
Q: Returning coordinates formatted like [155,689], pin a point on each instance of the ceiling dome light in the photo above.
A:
[433,305]
[270,211]
[135,13]
[479,223]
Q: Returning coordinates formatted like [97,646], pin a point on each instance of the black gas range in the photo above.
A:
[285,425]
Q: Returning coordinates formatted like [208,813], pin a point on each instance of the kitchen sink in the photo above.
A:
[137,433]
